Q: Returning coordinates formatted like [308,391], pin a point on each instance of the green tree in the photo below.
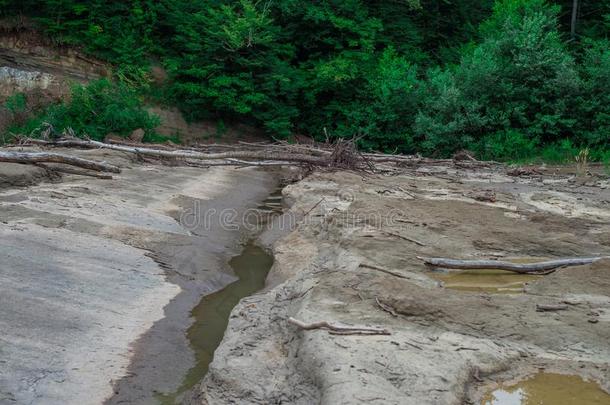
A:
[520,77]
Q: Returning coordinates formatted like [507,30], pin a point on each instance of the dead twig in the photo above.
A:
[314,207]
[386,307]
[405,238]
[388,271]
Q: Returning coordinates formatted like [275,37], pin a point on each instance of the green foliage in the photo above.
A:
[521,77]
[592,105]
[563,151]
[506,145]
[16,103]
[231,59]
[94,111]
[502,78]
[383,107]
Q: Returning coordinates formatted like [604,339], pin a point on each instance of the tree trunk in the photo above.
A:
[574,19]
[43,157]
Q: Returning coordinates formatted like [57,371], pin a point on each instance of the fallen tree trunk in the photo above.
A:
[190,154]
[535,268]
[43,157]
[340,329]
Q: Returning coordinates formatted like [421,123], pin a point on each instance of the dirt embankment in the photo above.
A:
[353,259]
[99,276]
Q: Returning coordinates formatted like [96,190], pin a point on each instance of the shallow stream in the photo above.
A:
[212,313]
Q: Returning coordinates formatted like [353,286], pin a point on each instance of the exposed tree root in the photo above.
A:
[534,268]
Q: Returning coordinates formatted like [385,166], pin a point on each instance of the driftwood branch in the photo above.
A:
[387,308]
[340,329]
[340,154]
[535,268]
[418,243]
[388,271]
[43,157]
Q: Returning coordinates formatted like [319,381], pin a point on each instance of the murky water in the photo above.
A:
[549,389]
[273,203]
[212,313]
[491,281]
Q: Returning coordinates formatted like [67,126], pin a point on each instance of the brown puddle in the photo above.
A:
[549,389]
[491,281]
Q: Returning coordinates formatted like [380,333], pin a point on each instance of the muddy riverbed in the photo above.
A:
[353,259]
[111,284]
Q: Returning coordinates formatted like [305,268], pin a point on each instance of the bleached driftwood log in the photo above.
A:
[44,157]
[340,329]
[536,268]
[259,155]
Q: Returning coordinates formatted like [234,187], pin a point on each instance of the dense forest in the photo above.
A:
[506,79]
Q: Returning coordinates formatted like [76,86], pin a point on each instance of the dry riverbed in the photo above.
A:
[353,259]
[99,278]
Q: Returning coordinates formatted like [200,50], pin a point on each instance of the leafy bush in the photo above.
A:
[563,151]
[592,106]
[16,103]
[382,107]
[520,78]
[507,145]
[95,110]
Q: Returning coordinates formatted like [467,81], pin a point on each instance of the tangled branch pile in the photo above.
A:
[342,154]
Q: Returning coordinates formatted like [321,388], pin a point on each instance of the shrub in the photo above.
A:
[95,110]
[383,108]
[592,106]
[506,145]
[519,78]
[562,151]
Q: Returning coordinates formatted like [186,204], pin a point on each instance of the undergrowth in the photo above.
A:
[95,110]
